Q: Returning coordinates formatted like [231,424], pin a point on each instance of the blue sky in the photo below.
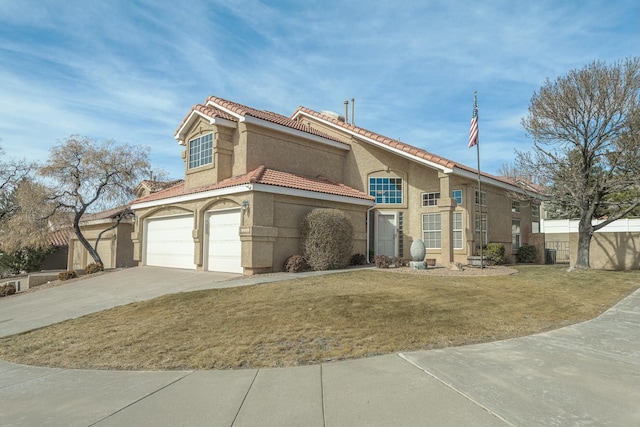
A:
[130,70]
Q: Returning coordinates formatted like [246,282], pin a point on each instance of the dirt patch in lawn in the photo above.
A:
[323,318]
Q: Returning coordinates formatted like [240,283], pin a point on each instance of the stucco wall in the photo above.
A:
[115,247]
[269,231]
[288,153]
[610,251]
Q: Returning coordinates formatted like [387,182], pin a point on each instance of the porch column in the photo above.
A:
[446,206]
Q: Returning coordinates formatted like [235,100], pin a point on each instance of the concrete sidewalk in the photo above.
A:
[586,374]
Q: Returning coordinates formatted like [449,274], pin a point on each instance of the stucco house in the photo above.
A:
[115,247]
[252,175]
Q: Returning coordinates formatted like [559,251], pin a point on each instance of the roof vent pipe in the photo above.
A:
[353,111]
[346,111]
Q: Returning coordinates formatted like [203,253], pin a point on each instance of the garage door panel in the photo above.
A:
[169,242]
[224,246]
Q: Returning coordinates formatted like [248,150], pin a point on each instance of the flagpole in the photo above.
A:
[475,103]
[474,139]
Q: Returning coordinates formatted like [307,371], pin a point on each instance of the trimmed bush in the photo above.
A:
[327,239]
[94,268]
[6,290]
[358,259]
[526,253]
[494,253]
[295,264]
[66,275]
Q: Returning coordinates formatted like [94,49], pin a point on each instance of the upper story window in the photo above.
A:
[430,199]
[535,210]
[457,196]
[201,151]
[386,191]
[515,206]
[481,198]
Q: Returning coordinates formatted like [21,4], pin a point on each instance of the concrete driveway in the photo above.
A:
[583,375]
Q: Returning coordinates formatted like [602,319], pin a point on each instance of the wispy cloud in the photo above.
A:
[130,70]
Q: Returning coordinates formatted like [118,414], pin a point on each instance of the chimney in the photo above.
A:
[346,111]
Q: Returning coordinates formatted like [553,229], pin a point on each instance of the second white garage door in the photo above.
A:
[169,242]
[224,247]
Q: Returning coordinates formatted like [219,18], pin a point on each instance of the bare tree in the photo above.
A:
[12,172]
[585,127]
[89,175]
[28,224]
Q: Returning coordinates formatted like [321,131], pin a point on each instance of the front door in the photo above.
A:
[386,233]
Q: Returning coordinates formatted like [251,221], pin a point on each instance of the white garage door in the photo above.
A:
[169,243]
[224,247]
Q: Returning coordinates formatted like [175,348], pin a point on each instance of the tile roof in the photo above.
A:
[208,111]
[154,186]
[107,214]
[265,176]
[59,237]
[399,145]
[214,107]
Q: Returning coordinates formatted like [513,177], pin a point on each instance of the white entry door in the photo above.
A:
[386,234]
[224,249]
[168,242]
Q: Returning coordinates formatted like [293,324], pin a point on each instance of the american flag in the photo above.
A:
[473,129]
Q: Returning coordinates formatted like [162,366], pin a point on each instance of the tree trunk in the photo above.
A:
[585,231]
[93,252]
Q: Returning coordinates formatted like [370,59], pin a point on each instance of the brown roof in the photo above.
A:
[210,109]
[265,176]
[399,145]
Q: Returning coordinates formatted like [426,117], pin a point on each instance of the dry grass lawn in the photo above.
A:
[312,320]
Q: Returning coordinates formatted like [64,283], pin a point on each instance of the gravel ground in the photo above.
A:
[495,270]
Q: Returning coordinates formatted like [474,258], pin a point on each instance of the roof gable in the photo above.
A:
[227,113]
[403,149]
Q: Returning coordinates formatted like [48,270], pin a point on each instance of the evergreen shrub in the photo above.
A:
[494,253]
[526,253]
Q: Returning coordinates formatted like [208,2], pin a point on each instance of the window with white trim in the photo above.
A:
[484,229]
[535,227]
[430,199]
[515,206]
[481,198]
[431,231]
[457,231]
[515,233]
[457,196]
[386,191]
[201,151]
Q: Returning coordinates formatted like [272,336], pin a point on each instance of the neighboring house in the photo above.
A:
[614,247]
[57,258]
[252,175]
[115,246]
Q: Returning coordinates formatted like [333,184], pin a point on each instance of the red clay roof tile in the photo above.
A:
[263,175]
[268,116]
[419,152]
